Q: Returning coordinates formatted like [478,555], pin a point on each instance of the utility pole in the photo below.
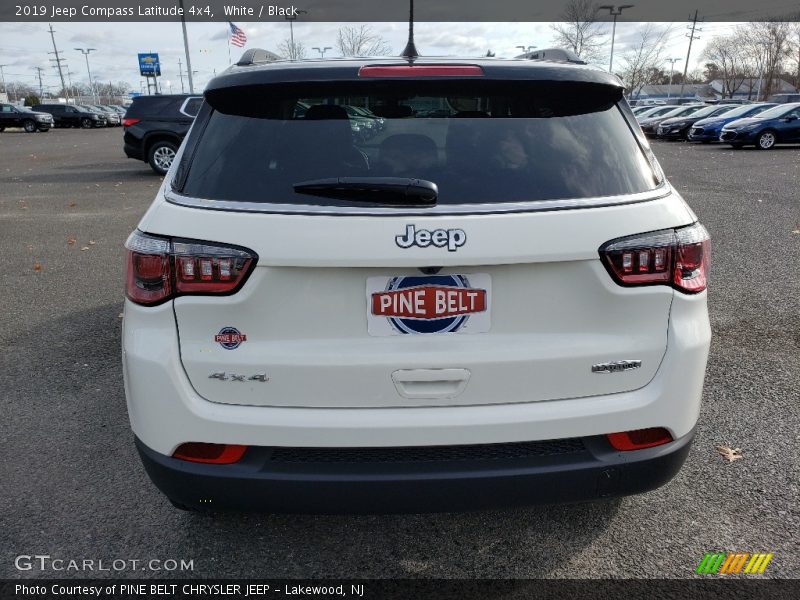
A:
[180,74]
[69,77]
[671,62]
[186,49]
[86,52]
[58,59]
[3,77]
[39,73]
[614,11]
[691,37]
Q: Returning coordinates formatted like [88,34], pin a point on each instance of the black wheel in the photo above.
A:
[2,129]
[766,140]
[29,126]
[161,155]
[86,123]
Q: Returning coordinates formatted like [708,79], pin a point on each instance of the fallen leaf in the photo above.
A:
[72,205]
[84,248]
[730,454]
[37,266]
[120,315]
[71,241]
[92,242]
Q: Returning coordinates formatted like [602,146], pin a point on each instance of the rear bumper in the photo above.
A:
[327,482]
[133,151]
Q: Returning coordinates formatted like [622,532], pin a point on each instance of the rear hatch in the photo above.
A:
[493,294]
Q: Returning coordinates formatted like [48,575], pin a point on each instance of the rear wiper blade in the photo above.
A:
[393,191]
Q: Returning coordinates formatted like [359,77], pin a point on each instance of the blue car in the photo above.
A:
[709,130]
[777,125]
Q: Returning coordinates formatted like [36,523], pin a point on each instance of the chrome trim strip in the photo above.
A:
[442,210]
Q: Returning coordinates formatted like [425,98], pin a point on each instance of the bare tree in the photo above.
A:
[643,61]
[580,30]
[767,45]
[361,41]
[727,55]
[292,51]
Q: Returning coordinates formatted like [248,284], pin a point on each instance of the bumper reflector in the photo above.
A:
[639,439]
[216,454]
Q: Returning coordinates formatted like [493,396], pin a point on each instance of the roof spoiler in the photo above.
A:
[554,55]
[254,56]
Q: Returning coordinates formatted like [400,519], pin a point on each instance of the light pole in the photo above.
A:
[293,50]
[322,51]
[525,49]
[671,62]
[86,53]
[614,11]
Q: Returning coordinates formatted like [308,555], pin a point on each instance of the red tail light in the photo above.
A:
[163,268]
[216,454]
[676,257]
[639,439]
[421,71]
[128,122]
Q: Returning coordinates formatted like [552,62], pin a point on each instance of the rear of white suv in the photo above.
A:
[500,307]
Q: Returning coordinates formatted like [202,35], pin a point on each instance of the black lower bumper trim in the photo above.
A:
[264,481]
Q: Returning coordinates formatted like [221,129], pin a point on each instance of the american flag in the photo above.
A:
[238,38]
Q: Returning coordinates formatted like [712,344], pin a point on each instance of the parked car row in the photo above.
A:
[43,117]
[763,125]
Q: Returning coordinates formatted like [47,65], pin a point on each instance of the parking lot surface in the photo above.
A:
[73,486]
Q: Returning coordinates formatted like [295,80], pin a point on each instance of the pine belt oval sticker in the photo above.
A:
[230,338]
[428,304]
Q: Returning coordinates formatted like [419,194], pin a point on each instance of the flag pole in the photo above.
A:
[229,43]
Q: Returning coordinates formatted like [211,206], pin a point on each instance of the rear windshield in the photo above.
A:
[487,142]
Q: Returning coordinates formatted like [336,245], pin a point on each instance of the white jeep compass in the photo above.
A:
[482,292]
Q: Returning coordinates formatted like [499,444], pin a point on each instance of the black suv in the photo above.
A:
[67,115]
[155,127]
[22,116]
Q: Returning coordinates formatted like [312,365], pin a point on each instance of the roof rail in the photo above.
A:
[252,56]
[554,55]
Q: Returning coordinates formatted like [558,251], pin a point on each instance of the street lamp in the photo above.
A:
[86,53]
[671,62]
[291,20]
[525,49]
[322,51]
[614,11]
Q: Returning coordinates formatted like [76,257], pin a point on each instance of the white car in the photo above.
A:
[501,307]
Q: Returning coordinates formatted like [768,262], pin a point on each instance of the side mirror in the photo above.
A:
[790,118]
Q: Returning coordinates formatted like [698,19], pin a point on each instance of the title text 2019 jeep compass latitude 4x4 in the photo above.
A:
[498,307]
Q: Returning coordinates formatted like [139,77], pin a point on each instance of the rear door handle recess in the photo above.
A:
[430,383]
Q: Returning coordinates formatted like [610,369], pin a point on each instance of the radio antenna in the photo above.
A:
[410,51]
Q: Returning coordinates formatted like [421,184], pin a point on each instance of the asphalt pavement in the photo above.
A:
[73,487]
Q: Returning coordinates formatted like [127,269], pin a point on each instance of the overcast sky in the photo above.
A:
[24,46]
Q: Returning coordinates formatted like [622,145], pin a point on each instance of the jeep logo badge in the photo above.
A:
[452,238]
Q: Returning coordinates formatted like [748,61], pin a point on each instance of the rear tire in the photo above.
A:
[161,155]
[766,140]
[29,126]
[86,123]
[2,129]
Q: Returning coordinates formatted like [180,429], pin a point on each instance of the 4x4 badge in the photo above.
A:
[452,238]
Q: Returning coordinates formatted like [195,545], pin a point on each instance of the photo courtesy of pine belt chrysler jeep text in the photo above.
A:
[486,294]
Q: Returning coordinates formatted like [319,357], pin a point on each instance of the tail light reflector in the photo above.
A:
[163,268]
[216,454]
[128,122]
[676,257]
[639,438]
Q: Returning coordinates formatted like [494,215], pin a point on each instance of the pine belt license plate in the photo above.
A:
[429,304]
